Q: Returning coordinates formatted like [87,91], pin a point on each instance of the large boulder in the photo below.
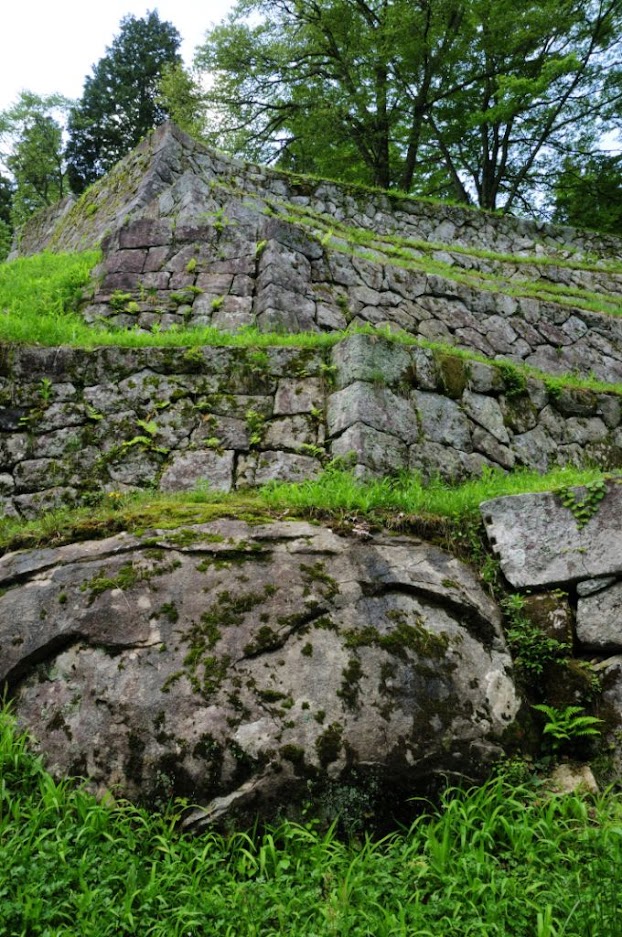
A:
[246,667]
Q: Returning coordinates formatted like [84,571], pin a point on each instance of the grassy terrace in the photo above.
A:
[447,513]
[39,297]
[423,256]
[505,860]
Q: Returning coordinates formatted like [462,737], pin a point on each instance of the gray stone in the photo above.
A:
[431,459]
[535,449]
[305,670]
[582,430]
[610,410]
[289,432]
[259,468]
[539,543]
[367,358]
[599,619]
[486,411]
[298,395]
[189,469]
[374,405]
[379,453]
[492,448]
[442,420]
[484,378]
[591,586]
[32,505]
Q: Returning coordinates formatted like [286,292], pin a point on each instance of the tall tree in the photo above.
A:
[182,98]
[589,194]
[6,224]
[543,90]
[337,86]
[120,102]
[469,98]
[31,132]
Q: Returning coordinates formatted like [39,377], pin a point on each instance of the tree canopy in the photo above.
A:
[120,102]
[31,139]
[478,100]
[589,193]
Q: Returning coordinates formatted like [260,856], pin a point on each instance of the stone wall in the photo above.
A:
[191,237]
[564,555]
[75,422]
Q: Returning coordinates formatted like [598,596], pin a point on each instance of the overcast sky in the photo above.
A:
[52,45]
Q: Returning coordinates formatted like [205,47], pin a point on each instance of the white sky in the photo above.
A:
[52,45]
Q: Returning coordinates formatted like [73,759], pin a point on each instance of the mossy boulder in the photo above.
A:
[237,665]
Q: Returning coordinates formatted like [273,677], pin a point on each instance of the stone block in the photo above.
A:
[539,543]
[376,406]
[486,412]
[372,359]
[379,452]
[599,620]
[298,395]
[145,232]
[442,421]
[188,469]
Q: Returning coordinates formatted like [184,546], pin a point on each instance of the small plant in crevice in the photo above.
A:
[255,423]
[45,391]
[533,651]
[566,726]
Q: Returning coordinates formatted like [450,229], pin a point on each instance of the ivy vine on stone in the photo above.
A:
[583,508]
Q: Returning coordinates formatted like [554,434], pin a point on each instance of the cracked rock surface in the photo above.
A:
[244,666]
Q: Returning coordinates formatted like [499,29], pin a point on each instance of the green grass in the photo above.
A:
[39,297]
[338,490]
[416,255]
[336,495]
[505,860]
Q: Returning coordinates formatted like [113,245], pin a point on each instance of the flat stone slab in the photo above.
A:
[538,542]
[599,619]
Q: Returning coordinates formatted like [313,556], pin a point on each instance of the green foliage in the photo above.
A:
[497,861]
[31,134]
[39,296]
[182,98]
[6,215]
[569,724]
[588,194]
[583,506]
[469,99]
[533,650]
[120,102]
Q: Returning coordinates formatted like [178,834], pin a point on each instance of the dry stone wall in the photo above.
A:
[563,554]
[193,237]
[76,422]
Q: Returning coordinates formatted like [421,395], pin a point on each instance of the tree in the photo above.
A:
[182,98]
[120,101]
[545,91]
[6,225]
[589,195]
[31,132]
[469,98]
[331,85]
